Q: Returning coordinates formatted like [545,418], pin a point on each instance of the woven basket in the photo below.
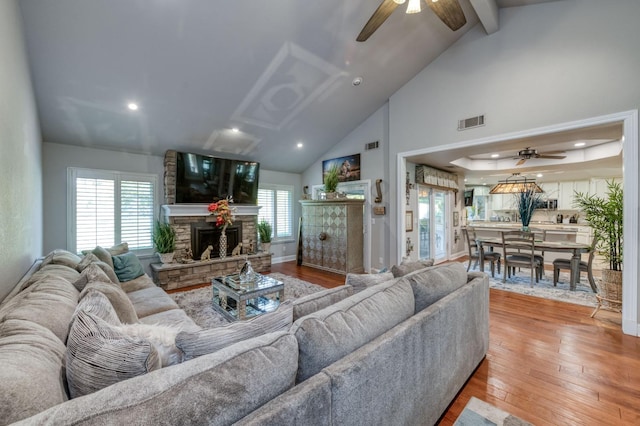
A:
[610,289]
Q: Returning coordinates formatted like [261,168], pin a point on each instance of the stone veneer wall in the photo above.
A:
[170,164]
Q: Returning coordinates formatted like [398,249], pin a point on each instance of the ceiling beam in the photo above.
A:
[487,11]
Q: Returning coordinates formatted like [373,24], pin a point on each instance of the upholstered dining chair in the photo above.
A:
[586,267]
[519,252]
[474,253]
[539,235]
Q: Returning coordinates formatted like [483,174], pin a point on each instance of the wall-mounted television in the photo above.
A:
[206,179]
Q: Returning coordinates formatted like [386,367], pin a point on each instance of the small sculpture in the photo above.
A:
[206,255]
[250,248]
[188,253]
[237,251]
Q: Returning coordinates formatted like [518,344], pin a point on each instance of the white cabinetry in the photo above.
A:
[550,189]
[599,186]
[567,191]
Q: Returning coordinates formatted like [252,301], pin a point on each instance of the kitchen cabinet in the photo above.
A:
[551,189]
[599,186]
[332,235]
[567,190]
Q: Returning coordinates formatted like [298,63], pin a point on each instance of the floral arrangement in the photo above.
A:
[527,201]
[223,212]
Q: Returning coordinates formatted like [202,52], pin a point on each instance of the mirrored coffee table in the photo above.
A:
[239,300]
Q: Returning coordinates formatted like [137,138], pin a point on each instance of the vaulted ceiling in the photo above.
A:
[244,78]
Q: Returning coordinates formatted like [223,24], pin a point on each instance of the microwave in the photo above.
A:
[552,204]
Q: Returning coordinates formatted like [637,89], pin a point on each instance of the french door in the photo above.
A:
[432,211]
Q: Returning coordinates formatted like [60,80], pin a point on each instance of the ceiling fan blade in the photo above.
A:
[554,157]
[449,11]
[522,160]
[381,14]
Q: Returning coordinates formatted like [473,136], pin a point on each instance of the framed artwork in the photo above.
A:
[456,219]
[348,167]
[408,221]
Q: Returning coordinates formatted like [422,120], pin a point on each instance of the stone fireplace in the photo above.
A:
[206,235]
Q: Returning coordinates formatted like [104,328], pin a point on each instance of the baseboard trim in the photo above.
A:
[282,259]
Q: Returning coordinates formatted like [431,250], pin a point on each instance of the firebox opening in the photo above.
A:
[204,235]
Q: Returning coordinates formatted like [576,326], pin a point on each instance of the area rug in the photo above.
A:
[521,283]
[478,413]
[197,303]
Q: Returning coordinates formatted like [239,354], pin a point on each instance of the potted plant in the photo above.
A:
[527,201]
[604,216]
[164,241]
[264,233]
[331,181]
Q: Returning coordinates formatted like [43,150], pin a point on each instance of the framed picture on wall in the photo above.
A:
[456,219]
[408,221]
[348,167]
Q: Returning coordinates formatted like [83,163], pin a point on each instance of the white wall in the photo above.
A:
[549,63]
[20,156]
[373,165]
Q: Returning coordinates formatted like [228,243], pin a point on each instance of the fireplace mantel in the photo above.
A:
[172,210]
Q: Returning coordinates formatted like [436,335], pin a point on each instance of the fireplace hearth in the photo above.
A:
[206,234]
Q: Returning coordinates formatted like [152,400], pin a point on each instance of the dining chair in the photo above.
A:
[474,252]
[587,267]
[540,235]
[519,251]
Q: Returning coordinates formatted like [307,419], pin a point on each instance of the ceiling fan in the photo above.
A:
[449,11]
[528,153]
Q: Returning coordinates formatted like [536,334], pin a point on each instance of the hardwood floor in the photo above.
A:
[548,362]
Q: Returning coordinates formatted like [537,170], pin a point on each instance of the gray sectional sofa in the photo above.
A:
[392,352]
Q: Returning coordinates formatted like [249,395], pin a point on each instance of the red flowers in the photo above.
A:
[223,213]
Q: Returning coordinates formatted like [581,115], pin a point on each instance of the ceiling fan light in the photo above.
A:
[398,1]
[413,6]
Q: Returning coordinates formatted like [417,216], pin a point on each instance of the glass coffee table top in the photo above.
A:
[238,299]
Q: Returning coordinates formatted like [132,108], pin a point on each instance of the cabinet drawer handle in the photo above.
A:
[322,236]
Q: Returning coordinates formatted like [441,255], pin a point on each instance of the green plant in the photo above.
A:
[164,237]
[527,201]
[264,231]
[331,179]
[604,215]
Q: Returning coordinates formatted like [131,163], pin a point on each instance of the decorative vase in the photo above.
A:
[223,243]
[166,257]
[266,247]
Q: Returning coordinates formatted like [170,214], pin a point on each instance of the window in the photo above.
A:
[275,201]
[108,207]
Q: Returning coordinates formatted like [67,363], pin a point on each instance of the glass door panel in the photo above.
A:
[432,210]
[440,215]
[424,216]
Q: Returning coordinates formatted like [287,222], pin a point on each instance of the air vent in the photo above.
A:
[372,145]
[469,123]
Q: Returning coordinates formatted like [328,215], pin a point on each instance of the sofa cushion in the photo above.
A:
[361,281]
[329,334]
[432,284]
[118,249]
[150,301]
[408,266]
[143,281]
[52,270]
[49,302]
[195,344]
[93,272]
[61,257]
[103,254]
[118,298]
[96,303]
[99,355]
[91,258]
[31,374]
[174,318]
[127,266]
[319,300]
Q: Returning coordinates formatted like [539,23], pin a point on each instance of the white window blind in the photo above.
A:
[110,207]
[277,209]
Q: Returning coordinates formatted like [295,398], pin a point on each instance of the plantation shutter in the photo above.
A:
[136,214]
[95,208]
[283,216]
[275,202]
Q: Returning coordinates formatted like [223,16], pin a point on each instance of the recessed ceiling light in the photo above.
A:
[132,106]
[235,130]
[579,144]
[539,175]
[357,81]
[495,155]
[299,145]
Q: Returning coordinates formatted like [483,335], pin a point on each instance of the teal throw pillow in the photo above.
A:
[127,266]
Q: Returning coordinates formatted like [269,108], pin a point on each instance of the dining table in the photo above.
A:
[576,250]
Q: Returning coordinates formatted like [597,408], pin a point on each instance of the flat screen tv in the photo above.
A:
[206,179]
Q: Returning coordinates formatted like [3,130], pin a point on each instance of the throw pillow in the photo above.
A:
[91,273]
[61,257]
[127,266]
[432,284]
[162,337]
[314,302]
[361,281]
[91,258]
[99,355]
[195,344]
[118,298]
[87,260]
[96,303]
[103,254]
[408,266]
[118,249]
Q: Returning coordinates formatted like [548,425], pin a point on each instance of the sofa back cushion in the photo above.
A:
[61,257]
[314,302]
[202,342]
[31,373]
[118,298]
[329,334]
[432,284]
[99,355]
[361,281]
[409,266]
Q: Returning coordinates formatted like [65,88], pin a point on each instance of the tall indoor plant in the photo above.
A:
[331,181]
[264,233]
[604,216]
[164,241]
[527,201]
